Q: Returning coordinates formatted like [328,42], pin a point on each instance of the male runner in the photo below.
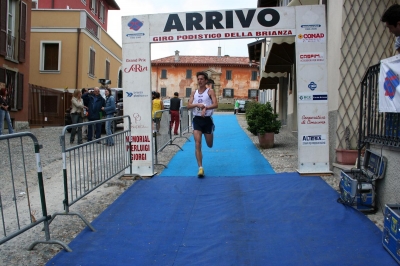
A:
[202,101]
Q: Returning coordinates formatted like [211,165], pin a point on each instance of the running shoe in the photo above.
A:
[201,172]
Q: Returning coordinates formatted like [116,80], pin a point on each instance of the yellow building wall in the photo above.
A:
[48,26]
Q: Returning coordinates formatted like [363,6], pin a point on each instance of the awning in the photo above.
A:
[269,83]
[267,3]
[254,49]
[281,55]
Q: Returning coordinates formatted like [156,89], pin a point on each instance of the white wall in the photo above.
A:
[334,42]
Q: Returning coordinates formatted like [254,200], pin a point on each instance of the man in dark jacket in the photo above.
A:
[175,104]
[95,102]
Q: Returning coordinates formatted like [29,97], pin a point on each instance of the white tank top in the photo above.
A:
[203,98]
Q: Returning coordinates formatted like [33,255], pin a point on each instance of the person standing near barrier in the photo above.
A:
[157,105]
[77,108]
[235,111]
[109,109]
[203,102]
[94,103]
[85,114]
[391,17]
[4,114]
[174,107]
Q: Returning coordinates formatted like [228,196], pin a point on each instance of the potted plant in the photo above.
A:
[346,156]
[262,122]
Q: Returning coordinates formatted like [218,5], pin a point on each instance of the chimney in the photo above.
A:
[176,56]
[219,51]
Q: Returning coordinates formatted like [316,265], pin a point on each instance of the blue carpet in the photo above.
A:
[267,219]
[233,154]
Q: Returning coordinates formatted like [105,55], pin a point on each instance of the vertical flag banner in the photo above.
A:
[389,85]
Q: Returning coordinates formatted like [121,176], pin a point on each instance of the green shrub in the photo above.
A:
[261,118]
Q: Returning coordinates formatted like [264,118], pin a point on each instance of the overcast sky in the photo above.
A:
[135,7]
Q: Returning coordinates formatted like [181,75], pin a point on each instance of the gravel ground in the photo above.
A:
[283,158]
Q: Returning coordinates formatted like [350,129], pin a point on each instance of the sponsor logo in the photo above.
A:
[314,140]
[136,94]
[135,24]
[135,68]
[311,37]
[313,97]
[320,97]
[305,98]
[135,35]
[136,117]
[390,84]
[311,26]
[311,58]
[312,86]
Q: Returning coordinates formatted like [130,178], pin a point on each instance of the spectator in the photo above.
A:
[94,102]
[157,105]
[4,108]
[391,17]
[109,109]
[85,114]
[77,108]
[175,105]
[235,111]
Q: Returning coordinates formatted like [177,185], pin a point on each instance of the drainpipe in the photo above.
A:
[52,4]
[77,59]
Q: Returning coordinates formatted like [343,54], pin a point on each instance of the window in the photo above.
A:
[50,56]
[252,93]
[92,61]
[93,6]
[228,93]
[14,83]
[163,92]
[188,92]
[228,74]
[34,4]
[284,2]
[253,75]
[188,73]
[13,26]
[163,73]
[102,13]
[83,2]
[107,76]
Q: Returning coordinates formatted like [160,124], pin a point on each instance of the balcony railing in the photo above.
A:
[11,49]
[376,127]
[92,27]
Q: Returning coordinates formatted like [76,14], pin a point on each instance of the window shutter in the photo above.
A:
[3,27]
[2,75]
[22,33]
[20,91]
[249,94]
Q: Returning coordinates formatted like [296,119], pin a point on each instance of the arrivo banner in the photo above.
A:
[209,25]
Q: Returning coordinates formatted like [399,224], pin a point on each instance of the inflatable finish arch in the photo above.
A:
[306,23]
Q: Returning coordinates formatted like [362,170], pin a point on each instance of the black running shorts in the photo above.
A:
[203,124]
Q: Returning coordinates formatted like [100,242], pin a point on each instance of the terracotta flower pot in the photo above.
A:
[347,157]
[266,141]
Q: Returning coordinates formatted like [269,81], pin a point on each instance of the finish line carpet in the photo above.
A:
[228,218]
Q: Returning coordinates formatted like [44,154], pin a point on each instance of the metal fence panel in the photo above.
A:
[22,196]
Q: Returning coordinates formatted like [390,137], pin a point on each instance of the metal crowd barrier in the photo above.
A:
[89,165]
[185,117]
[19,211]
[162,136]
